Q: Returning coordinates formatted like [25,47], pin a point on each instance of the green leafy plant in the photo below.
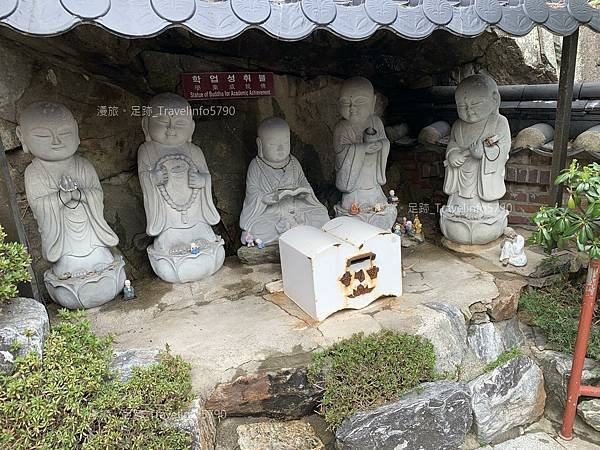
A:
[72,400]
[503,358]
[556,310]
[14,261]
[362,373]
[579,221]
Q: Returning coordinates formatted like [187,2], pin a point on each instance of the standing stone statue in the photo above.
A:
[65,195]
[177,192]
[278,196]
[475,161]
[361,152]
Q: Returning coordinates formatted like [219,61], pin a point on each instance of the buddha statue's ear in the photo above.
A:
[496,97]
[193,128]
[259,146]
[145,128]
[19,132]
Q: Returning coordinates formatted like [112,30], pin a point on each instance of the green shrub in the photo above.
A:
[556,311]
[72,400]
[503,358]
[579,222]
[362,373]
[14,262]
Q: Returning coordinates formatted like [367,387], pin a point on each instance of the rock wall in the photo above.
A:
[101,78]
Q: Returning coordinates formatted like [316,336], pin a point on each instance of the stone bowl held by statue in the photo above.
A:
[472,231]
[183,266]
[89,290]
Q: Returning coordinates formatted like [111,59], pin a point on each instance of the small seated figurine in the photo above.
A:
[177,190]
[361,152]
[513,249]
[476,156]
[393,199]
[65,195]
[249,240]
[398,229]
[259,244]
[278,196]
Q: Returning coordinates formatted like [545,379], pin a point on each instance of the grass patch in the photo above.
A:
[556,311]
[72,400]
[361,373]
[503,358]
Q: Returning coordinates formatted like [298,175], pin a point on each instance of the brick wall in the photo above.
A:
[527,179]
[527,185]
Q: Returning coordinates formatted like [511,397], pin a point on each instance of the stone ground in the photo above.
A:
[228,325]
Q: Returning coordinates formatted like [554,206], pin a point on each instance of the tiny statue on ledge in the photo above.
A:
[393,198]
[411,231]
[512,249]
[259,243]
[249,240]
[128,291]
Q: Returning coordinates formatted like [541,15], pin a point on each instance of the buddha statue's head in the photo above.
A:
[357,100]
[477,97]
[273,140]
[48,131]
[170,122]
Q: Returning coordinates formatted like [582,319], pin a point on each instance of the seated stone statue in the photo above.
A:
[66,198]
[278,196]
[361,152]
[475,161]
[177,192]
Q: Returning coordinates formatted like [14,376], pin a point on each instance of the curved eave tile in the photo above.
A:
[595,22]
[514,21]
[288,22]
[41,17]
[561,22]
[291,21]
[353,23]
[466,22]
[411,23]
[215,21]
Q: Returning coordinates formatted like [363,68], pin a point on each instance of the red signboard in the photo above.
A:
[227,85]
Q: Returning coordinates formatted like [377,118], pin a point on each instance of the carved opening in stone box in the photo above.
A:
[361,275]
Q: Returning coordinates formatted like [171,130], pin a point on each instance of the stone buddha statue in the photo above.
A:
[278,196]
[361,152]
[475,161]
[177,192]
[66,198]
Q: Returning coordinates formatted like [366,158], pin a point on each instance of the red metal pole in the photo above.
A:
[583,334]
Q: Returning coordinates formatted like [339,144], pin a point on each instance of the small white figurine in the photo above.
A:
[249,240]
[398,229]
[377,207]
[194,248]
[128,291]
[393,198]
[259,243]
[513,249]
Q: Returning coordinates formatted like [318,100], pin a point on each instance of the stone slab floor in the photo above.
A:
[229,325]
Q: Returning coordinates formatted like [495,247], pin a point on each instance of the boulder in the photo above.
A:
[510,396]
[255,255]
[557,370]
[505,306]
[589,410]
[198,423]
[125,361]
[434,416]
[447,331]
[295,434]
[24,325]
[285,393]
[489,340]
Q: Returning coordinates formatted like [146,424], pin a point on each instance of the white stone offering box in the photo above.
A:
[346,264]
